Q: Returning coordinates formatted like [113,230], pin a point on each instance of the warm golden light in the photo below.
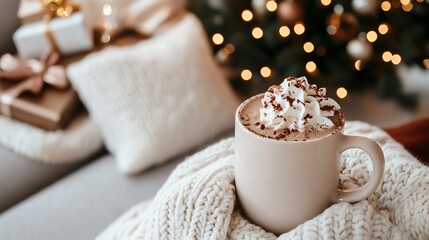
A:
[405,2]
[325,2]
[358,65]
[407,7]
[310,67]
[246,74]
[247,15]
[107,9]
[299,28]
[265,72]
[371,36]
[257,33]
[271,6]
[420,0]
[386,6]
[341,92]
[229,48]
[308,47]
[383,28]
[396,59]
[387,56]
[217,38]
[284,31]
[426,63]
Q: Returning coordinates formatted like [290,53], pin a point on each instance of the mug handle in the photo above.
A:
[376,154]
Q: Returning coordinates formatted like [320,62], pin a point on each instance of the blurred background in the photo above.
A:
[371,55]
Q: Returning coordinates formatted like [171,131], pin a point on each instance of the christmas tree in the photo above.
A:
[343,45]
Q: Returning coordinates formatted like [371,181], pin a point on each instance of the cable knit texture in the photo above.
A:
[198,200]
[77,142]
[158,98]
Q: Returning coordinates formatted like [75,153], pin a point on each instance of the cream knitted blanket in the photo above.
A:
[81,139]
[198,200]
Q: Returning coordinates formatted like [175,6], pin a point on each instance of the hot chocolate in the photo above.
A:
[292,111]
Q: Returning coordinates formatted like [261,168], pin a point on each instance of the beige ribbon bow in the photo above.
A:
[32,75]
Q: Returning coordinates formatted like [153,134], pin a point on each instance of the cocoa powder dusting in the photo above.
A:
[290,100]
[327,108]
[271,89]
[306,117]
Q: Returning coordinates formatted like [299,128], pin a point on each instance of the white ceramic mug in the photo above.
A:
[281,184]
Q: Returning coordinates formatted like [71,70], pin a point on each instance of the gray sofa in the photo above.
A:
[74,201]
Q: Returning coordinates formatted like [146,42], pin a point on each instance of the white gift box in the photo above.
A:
[72,34]
[32,10]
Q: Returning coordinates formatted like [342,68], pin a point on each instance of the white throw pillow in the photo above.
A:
[157,98]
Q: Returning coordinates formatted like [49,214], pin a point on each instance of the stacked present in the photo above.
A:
[54,32]
[59,25]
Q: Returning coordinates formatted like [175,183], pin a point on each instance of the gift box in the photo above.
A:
[37,91]
[68,35]
[51,109]
[32,10]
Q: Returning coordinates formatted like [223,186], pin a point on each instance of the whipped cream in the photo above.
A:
[297,106]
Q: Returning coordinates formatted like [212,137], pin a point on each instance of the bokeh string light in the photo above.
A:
[341,92]
[308,47]
[247,15]
[246,74]
[383,28]
[299,28]
[271,6]
[257,33]
[385,6]
[371,36]
[325,2]
[408,7]
[217,38]
[387,56]
[358,65]
[311,66]
[265,72]
[284,31]
[396,59]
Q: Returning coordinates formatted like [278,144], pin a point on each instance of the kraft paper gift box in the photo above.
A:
[51,109]
[71,35]
[49,106]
